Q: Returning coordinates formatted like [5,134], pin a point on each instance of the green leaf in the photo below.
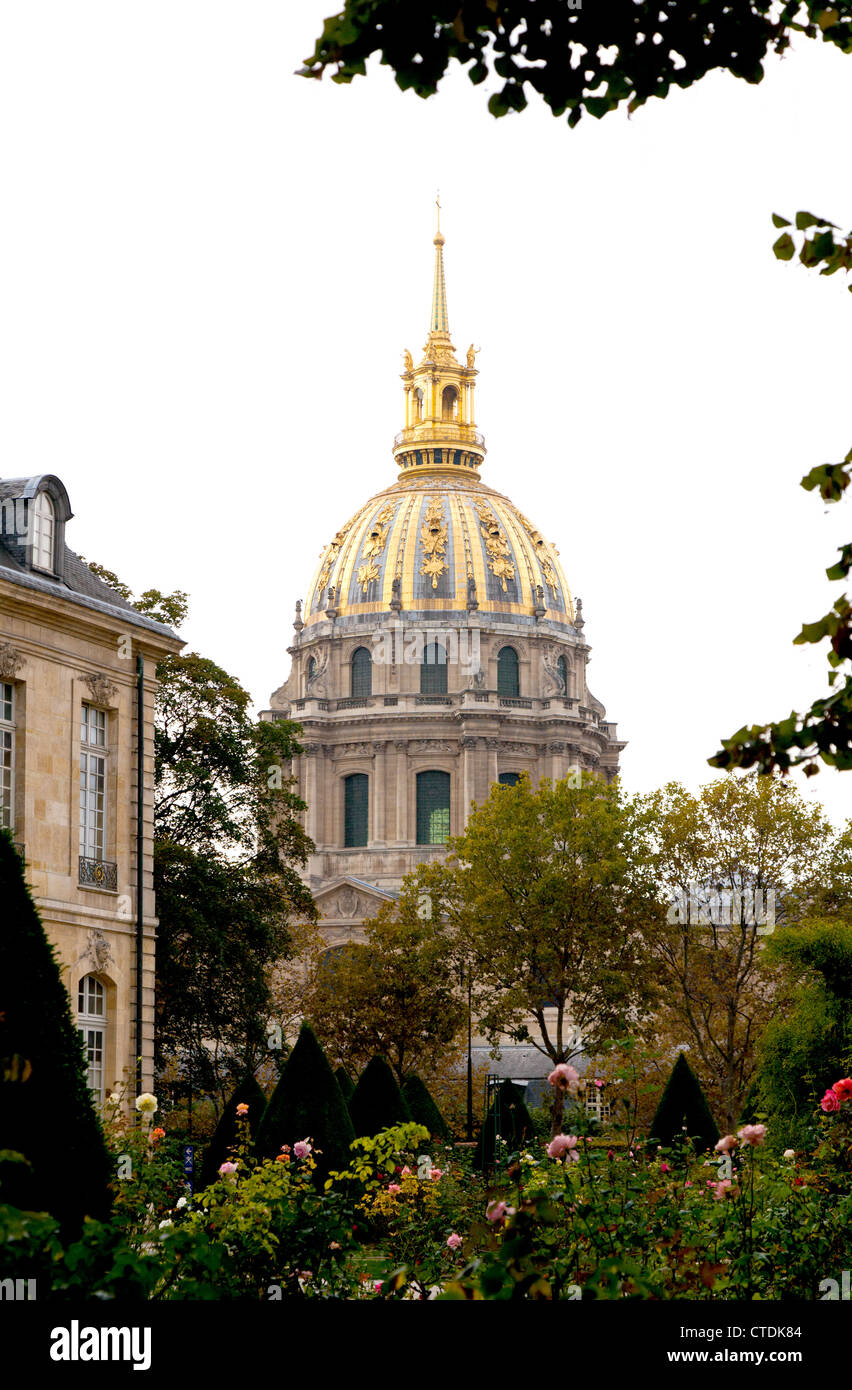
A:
[780,221]
[785,247]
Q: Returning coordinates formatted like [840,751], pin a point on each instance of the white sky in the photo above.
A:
[210,268]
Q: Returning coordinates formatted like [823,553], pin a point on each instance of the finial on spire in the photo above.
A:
[439,322]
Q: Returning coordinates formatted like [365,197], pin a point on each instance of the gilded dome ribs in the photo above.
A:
[496,545]
[433,541]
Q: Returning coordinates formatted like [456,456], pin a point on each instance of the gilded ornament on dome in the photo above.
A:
[331,555]
[367,573]
[496,545]
[433,539]
[377,539]
[543,558]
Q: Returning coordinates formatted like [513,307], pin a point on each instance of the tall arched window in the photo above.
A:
[449,399]
[433,807]
[362,672]
[92,1023]
[417,403]
[356,809]
[433,670]
[507,672]
[310,670]
[562,668]
[43,529]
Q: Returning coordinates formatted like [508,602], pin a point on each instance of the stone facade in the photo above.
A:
[69,645]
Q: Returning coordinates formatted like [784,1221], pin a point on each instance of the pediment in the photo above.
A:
[350,899]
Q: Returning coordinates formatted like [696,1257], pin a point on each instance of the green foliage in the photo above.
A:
[808,1044]
[592,58]
[56,1159]
[423,1109]
[377,1102]
[228,1129]
[683,1105]
[346,1084]
[508,1126]
[307,1104]
[824,732]
[396,996]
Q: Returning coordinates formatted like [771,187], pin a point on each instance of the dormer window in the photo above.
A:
[43,532]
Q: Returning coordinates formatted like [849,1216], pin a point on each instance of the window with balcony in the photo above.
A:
[356,809]
[433,807]
[433,670]
[95,869]
[92,1025]
[7,756]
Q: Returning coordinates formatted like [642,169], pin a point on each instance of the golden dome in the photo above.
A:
[439,541]
[434,534]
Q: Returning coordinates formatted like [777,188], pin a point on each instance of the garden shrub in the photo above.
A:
[307,1104]
[423,1109]
[46,1110]
[249,1093]
[683,1104]
[346,1084]
[377,1102]
[507,1117]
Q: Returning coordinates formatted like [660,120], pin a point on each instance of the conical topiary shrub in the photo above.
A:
[507,1117]
[225,1135]
[46,1109]
[423,1108]
[307,1104]
[683,1104]
[377,1102]
[346,1084]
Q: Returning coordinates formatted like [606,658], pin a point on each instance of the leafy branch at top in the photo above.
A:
[824,731]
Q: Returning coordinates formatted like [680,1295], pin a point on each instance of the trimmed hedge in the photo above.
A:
[46,1109]
[377,1102]
[224,1138]
[307,1103]
[683,1103]
[423,1108]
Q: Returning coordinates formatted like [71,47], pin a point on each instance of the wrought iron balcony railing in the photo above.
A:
[98,873]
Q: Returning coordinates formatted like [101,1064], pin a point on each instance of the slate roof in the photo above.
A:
[78,584]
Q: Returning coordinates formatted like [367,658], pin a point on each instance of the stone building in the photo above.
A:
[69,655]
[438,651]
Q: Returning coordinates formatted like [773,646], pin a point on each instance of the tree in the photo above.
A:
[423,1109]
[824,732]
[808,1044]
[397,995]
[52,1151]
[228,843]
[551,903]
[592,58]
[346,1084]
[307,1104]
[377,1102]
[683,1105]
[219,1150]
[734,863]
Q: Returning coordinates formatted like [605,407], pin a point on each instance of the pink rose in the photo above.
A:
[227,1169]
[393,1188]
[565,1077]
[664,1168]
[496,1211]
[242,1108]
[752,1134]
[726,1144]
[564,1144]
[454,1241]
[436,1173]
[302,1149]
[830,1102]
[720,1188]
[406,1172]
[843,1089]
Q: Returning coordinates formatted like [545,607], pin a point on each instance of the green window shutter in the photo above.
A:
[356,809]
[433,670]
[509,779]
[433,807]
[507,672]
[362,672]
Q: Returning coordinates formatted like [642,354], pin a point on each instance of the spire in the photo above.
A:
[439,323]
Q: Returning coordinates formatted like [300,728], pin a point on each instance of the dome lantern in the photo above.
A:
[440,433]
